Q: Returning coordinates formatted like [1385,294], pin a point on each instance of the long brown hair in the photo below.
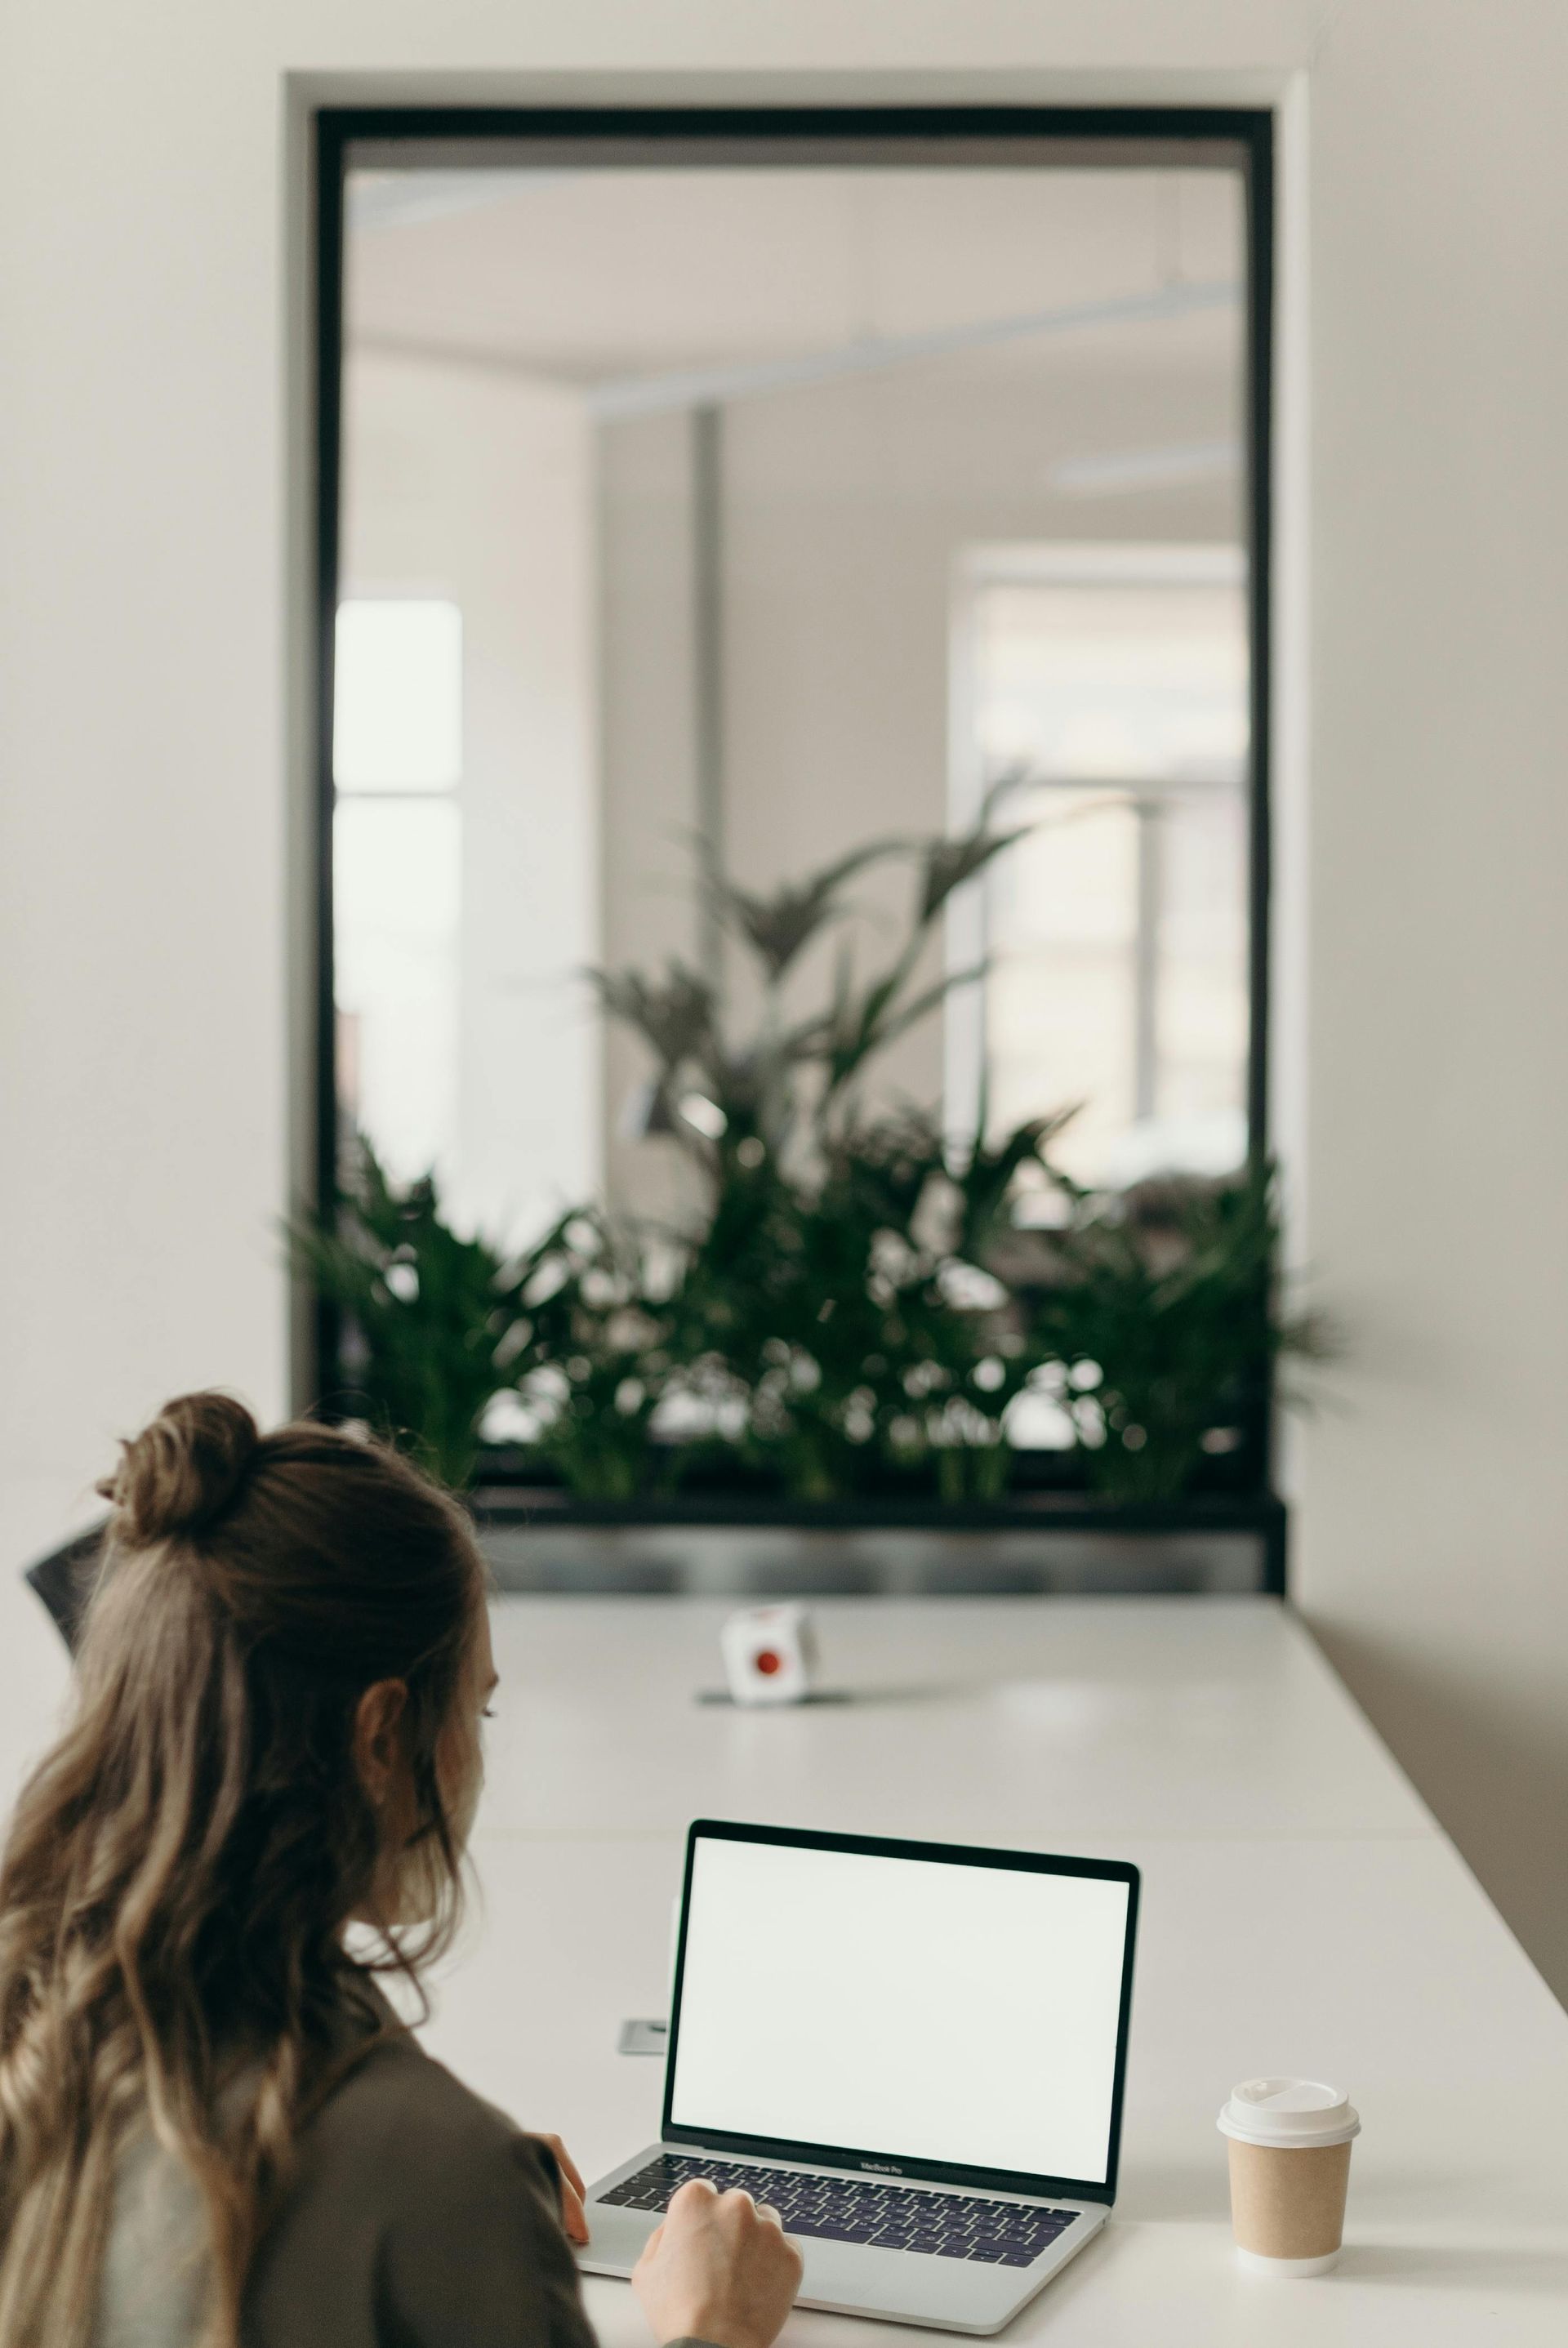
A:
[180,1868]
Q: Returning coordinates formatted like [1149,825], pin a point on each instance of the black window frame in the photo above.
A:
[1239,136]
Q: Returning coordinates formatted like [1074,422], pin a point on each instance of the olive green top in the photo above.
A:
[418,2216]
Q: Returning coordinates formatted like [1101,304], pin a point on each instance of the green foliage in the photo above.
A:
[840,1322]
[592,1357]
[779,927]
[432,1318]
[852,1307]
[1163,1314]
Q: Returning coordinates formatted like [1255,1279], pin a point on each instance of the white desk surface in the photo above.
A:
[994,1720]
[1301,1912]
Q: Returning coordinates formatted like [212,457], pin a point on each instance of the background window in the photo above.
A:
[398,735]
[1106,690]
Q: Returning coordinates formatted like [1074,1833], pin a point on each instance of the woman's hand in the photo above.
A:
[572,2191]
[718,2269]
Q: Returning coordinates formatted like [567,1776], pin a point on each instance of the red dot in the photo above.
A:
[768,1662]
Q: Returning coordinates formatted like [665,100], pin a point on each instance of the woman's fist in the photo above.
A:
[718,2269]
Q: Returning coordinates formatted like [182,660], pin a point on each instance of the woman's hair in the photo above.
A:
[180,1869]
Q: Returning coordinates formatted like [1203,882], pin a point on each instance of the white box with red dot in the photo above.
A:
[769,1654]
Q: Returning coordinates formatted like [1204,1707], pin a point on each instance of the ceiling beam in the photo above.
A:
[714,386]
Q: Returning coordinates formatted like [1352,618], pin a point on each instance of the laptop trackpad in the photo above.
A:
[901,2288]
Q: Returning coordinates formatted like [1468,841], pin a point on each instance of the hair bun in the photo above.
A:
[182,1471]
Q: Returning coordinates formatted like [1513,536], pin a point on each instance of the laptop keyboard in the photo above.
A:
[845,2210]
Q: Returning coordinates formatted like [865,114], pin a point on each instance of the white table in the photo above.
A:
[1301,1910]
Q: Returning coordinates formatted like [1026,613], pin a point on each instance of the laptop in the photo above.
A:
[915,2052]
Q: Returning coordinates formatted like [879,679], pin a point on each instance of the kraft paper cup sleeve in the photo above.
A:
[1290,2163]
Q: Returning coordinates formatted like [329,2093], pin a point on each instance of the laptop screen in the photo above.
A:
[916,2005]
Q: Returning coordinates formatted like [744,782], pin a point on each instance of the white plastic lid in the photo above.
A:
[1288,2112]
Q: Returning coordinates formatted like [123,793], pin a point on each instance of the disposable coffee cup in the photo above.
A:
[1290,2164]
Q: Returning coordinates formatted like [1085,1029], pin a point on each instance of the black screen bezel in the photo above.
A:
[878,2164]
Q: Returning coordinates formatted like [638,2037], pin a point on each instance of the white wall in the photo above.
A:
[1435,1522]
[144,216]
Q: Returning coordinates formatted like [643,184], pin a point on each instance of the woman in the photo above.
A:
[213,2129]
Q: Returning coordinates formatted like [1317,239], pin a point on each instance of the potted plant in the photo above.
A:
[849,1313]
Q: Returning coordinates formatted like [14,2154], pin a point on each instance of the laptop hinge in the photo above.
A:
[872,2174]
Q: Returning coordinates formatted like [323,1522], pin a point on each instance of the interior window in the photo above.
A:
[1105,694]
[788,503]
[398,739]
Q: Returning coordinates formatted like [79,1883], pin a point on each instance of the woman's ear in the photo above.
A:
[377,1749]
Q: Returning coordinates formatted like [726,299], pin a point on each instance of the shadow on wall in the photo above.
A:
[1457,1749]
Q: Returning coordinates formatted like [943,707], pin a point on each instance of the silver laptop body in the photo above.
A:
[902,2046]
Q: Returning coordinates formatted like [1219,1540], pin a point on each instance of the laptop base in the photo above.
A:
[889,2286]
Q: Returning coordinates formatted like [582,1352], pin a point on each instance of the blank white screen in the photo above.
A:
[910,2007]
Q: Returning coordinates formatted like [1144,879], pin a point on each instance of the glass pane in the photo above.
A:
[1122,678]
[397,702]
[1202,967]
[1117,930]
[397,906]
[1059,1007]
[737,429]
